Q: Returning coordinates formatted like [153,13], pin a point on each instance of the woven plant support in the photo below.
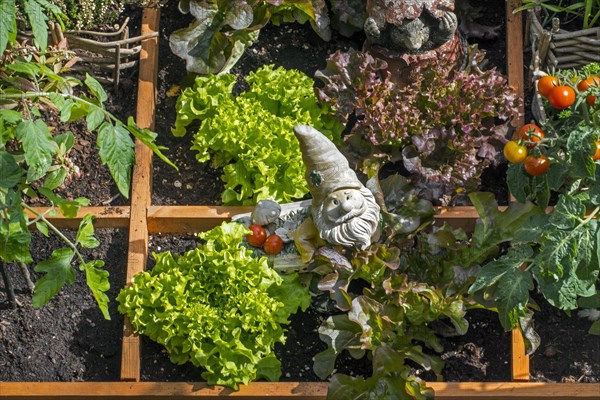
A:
[104,54]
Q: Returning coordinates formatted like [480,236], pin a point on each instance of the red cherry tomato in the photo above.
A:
[561,97]
[546,84]
[514,152]
[273,245]
[537,165]
[257,237]
[585,84]
[531,133]
[596,155]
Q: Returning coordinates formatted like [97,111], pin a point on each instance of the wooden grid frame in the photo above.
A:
[142,219]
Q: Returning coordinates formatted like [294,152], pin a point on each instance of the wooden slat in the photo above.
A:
[141,184]
[283,390]
[191,219]
[516,79]
[106,217]
[514,53]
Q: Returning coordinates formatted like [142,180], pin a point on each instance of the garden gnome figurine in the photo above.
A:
[343,210]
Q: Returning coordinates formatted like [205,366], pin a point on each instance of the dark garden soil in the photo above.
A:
[68,340]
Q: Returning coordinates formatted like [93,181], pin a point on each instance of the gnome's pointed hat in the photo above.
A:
[327,170]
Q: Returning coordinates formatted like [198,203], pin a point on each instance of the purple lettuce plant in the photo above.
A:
[445,127]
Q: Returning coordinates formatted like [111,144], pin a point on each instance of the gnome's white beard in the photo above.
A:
[357,227]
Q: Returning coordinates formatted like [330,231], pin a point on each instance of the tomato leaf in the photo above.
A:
[147,137]
[58,272]
[38,145]
[69,208]
[95,116]
[95,87]
[37,20]
[97,281]
[8,23]
[85,233]
[116,150]
[10,172]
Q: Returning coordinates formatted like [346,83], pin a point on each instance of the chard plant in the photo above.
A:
[393,296]
[34,162]
[251,135]
[445,126]
[217,306]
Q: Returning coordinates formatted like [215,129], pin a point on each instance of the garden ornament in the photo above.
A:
[409,34]
[265,212]
[412,26]
[343,210]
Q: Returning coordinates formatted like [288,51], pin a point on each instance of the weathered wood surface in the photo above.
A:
[282,390]
[141,184]
[514,61]
[105,217]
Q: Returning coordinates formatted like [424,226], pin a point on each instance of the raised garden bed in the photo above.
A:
[144,219]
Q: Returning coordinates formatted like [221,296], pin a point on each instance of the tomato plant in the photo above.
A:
[561,97]
[546,84]
[273,244]
[531,133]
[258,235]
[536,166]
[514,152]
[585,84]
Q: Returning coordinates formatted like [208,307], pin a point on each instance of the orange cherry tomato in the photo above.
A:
[514,152]
[561,97]
[596,155]
[537,165]
[257,237]
[585,84]
[273,245]
[531,133]
[546,84]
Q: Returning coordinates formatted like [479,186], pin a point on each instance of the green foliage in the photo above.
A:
[391,293]
[588,11]
[251,135]
[35,14]
[34,162]
[216,306]
[223,28]
[559,250]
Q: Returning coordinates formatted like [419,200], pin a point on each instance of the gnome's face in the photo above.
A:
[343,210]
[342,205]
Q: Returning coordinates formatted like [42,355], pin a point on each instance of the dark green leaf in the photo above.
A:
[518,182]
[69,208]
[85,234]
[55,178]
[147,137]
[37,20]
[42,227]
[512,296]
[97,281]
[495,270]
[95,87]
[38,146]
[117,151]
[8,23]
[324,363]
[10,172]
[58,272]
[65,141]
[94,117]
[10,116]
